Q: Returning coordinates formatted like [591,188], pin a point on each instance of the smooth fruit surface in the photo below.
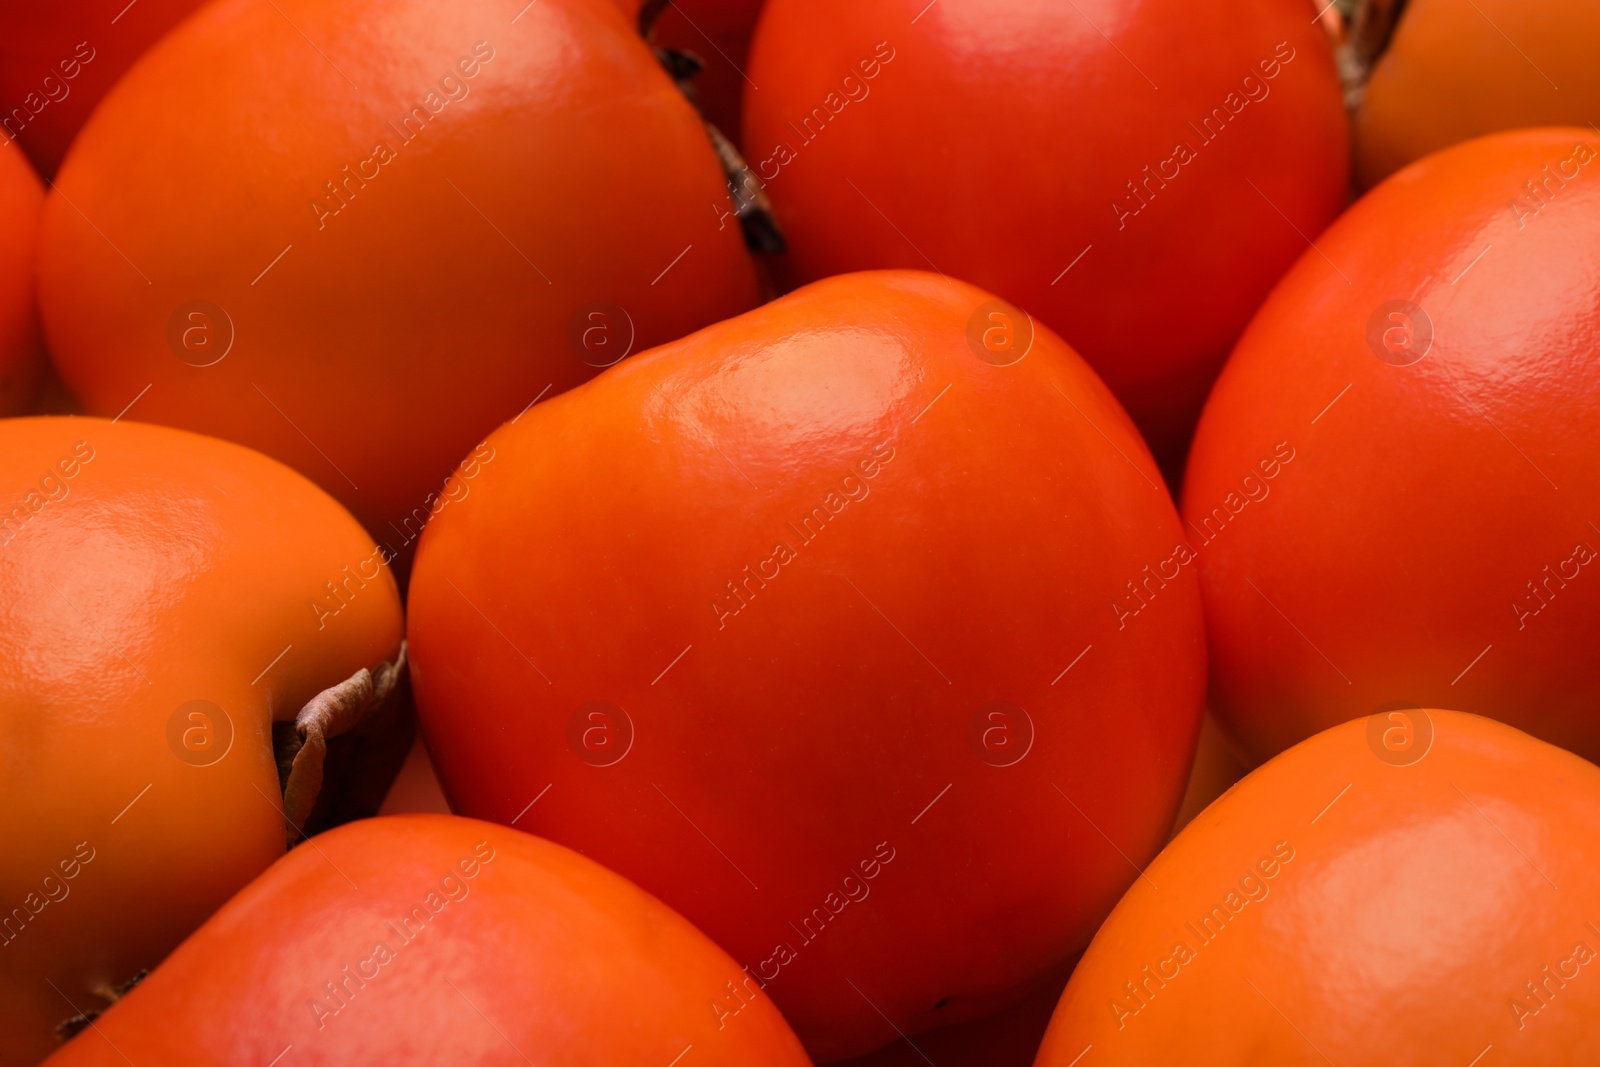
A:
[1136,174]
[1392,489]
[1455,71]
[22,358]
[1416,887]
[809,624]
[394,227]
[426,939]
[159,611]
[58,60]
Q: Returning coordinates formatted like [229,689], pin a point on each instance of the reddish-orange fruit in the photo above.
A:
[170,603]
[22,359]
[426,939]
[822,625]
[1454,71]
[1414,887]
[1137,173]
[717,32]
[58,60]
[393,227]
[1391,490]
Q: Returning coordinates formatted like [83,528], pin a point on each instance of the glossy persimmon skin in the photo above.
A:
[58,60]
[525,953]
[1453,72]
[996,141]
[142,568]
[561,174]
[1383,893]
[1401,555]
[833,725]
[22,358]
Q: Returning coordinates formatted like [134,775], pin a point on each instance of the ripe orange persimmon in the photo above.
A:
[1392,488]
[809,623]
[170,603]
[1415,887]
[22,359]
[357,236]
[1455,71]
[429,939]
[1137,173]
[58,60]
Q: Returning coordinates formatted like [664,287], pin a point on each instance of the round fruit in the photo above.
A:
[718,33]
[1391,490]
[1410,888]
[171,602]
[1139,189]
[463,943]
[1454,71]
[394,226]
[852,627]
[22,359]
[58,60]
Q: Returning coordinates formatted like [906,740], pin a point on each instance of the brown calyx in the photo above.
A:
[67,1029]
[1361,31]
[336,762]
[341,753]
[751,206]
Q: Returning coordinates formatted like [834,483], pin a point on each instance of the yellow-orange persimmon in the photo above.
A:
[1413,887]
[1453,71]
[166,599]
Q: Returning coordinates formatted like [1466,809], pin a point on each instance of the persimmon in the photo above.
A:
[392,228]
[1135,174]
[839,626]
[1390,492]
[436,939]
[22,359]
[1451,72]
[1412,887]
[58,60]
[180,615]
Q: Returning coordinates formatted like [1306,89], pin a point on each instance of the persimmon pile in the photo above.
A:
[640,533]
